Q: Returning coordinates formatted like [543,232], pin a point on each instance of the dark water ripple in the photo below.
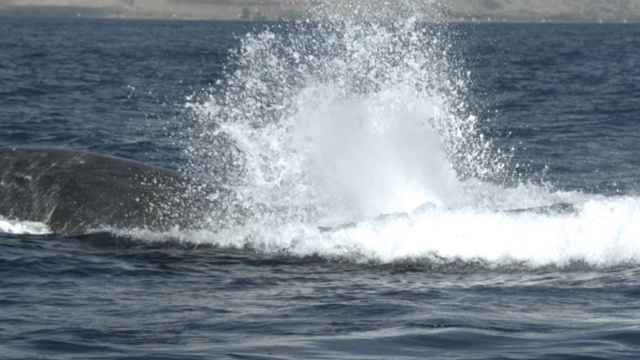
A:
[112,73]
[116,298]
[570,98]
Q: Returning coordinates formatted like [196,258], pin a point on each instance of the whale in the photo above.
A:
[74,192]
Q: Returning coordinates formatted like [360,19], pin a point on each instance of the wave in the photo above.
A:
[600,232]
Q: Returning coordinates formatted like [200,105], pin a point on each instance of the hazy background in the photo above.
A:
[459,10]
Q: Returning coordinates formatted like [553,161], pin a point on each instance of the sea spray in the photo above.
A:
[338,118]
[356,140]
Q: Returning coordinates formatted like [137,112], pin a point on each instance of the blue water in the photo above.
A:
[555,105]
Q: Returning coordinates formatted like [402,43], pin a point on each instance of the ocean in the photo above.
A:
[448,191]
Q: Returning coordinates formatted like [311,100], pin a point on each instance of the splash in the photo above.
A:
[343,119]
[338,120]
[23,227]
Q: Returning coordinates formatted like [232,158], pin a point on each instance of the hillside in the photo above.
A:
[459,10]
[149,9]
[546,10]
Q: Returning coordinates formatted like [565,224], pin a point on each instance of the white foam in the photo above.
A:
[603,232]
[23,227]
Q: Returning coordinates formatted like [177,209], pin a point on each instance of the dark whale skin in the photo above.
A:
[74,192]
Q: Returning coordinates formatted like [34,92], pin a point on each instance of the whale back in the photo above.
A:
[74,191]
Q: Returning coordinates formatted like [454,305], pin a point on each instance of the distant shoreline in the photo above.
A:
[5,15]
[256,13]
[215,13]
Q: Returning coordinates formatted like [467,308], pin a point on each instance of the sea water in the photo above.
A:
[391,160]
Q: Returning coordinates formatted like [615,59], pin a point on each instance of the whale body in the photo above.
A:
[73,192]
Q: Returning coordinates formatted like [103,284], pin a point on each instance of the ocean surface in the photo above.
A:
[431,155]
